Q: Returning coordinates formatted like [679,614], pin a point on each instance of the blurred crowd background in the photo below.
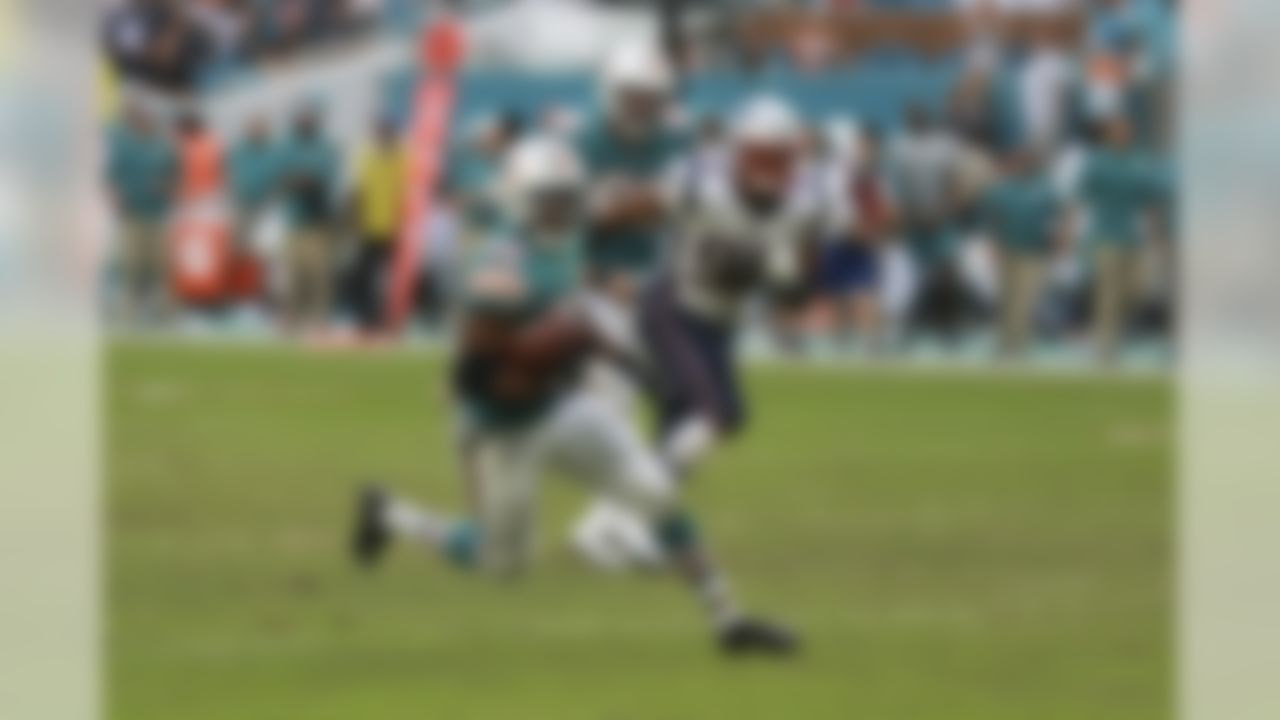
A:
[1009,162]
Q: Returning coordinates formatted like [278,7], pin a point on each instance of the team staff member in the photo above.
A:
[1120,188]
[1025,215]
[865,214]
[253,169]
[378,209]
[143,174]
[311,169]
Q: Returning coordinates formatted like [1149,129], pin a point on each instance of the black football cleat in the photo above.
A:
[370,538]
[755,637]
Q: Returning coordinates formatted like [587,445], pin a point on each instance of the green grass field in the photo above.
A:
[958,548]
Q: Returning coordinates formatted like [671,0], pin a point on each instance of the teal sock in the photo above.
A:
[679,536]
[678,533]
[462,545]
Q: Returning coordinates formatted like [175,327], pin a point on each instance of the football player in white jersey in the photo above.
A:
[745,232]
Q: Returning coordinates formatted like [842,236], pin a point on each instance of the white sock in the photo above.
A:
[612,538]
[417,524]
[688,443]
[717,598]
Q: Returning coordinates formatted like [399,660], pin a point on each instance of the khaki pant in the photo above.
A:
[1021,282]
[310,282]
[145,269]
[1116,274]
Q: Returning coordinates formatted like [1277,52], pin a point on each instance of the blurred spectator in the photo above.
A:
[975,108]
[177,44]
[440,260]
[473,169]
[1130,48]
[924,160]
[984,47]
[311,171]
[1026,216]
[155,41]
[224,23]
[1044,83]
[1019,6]
[924,164]
[850,264]
[973,170]
[1119,189]
[710,151]
[378,207]
[200,155]
[254,170]
[142,173]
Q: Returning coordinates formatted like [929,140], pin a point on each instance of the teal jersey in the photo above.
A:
[930,246]
[311,171]
[1165,193]
[142,172]
[1118,188]
[471,176]
[1023,213]
[606,154]
[549,273]
[253,170]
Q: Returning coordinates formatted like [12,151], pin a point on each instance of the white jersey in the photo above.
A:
[717,228]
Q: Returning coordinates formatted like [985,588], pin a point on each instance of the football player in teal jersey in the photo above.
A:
[634,154]
[630,150]
[525,412]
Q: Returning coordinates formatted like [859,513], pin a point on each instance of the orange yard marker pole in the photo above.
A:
[442,52]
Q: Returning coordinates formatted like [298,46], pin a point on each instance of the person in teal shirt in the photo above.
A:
[311,171]
[1120,186]
[471,171]
[1026,217]
[254,174]
[142,176]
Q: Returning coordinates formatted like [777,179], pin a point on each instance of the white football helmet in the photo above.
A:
[767,120]
[540,171]
[767,139]
[636,69]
